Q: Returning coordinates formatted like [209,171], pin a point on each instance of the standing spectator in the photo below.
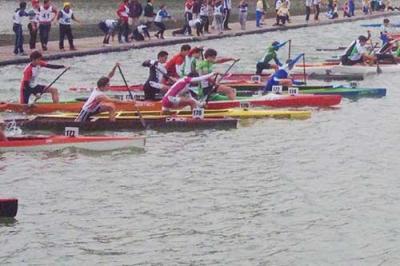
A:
[188,15]
[33,24]
[308,9]
[366,7]
[149,13]
[374,5]
[211,4]
[227,13]
[218,16]
[109,27]
[278,4]
[316,11]
[196,8]
[259,12]
[346,10]
[352,7]
[288,7]
[265,7]
[123,15]
[204,15]
[135,11]
[47,14]
[243,8]
[65,17]
[330,6]
[17,28]
[158,21]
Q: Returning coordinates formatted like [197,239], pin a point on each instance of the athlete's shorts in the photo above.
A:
[347,62]
[27,92]
[84,115]
[170,102]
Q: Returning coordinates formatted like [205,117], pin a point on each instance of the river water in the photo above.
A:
[323,191]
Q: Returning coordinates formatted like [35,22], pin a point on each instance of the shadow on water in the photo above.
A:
[72,153]
[8,221]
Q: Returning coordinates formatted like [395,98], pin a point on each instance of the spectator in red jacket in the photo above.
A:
[123,15]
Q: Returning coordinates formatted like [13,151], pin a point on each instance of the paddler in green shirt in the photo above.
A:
[190,62]
[205,67]
[270,55]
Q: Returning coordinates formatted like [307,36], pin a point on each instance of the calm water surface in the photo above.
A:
[324,191]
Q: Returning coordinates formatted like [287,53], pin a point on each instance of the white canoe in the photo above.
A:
[57,142]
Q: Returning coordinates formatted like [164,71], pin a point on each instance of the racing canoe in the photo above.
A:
[281,101]
[236,81]
[235,113]
[56,142]
[59,123]
[278,100]
[349,92]
[346,92]
[8,207]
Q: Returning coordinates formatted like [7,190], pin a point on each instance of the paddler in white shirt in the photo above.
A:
[357,53]
[98,101]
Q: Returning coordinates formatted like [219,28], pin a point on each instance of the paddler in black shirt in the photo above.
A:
[158,78]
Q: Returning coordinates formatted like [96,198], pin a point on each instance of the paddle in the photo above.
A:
[215,87]
[131,95]
[290,49]
[51,84]
[304,69]
[378,69]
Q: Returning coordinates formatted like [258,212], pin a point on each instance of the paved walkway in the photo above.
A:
[93,45]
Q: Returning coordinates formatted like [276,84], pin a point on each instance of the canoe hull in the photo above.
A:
[270,101]
[162,124]
[148,116]
[280,101]
[54,143]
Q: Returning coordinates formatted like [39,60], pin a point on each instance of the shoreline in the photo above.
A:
[93,45]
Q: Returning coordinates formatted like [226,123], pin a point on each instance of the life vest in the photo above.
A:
[66,18]
[45,15]
[348,51]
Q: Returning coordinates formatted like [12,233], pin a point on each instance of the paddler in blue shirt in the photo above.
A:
[270,55]
[385,31]
[281,76]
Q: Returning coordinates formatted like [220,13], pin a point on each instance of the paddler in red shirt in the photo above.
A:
[175,64]
[29,84]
